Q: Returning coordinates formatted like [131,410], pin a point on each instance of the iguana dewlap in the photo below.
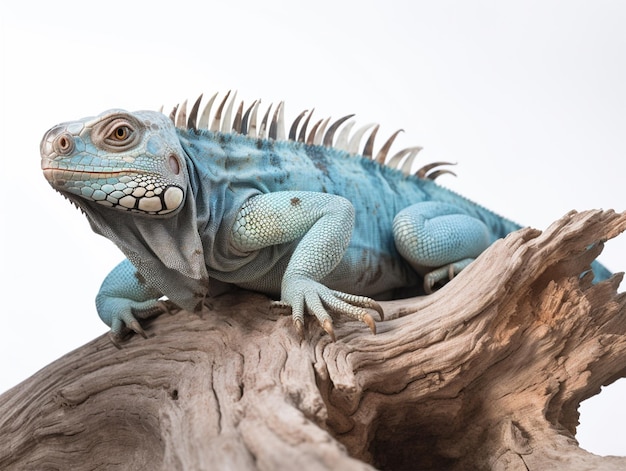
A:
[301,219]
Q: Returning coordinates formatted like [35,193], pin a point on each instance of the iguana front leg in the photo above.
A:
[123,296]
[323,224]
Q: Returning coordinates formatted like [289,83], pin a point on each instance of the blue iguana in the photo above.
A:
[304,218]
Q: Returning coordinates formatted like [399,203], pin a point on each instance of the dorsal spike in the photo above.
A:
[264,122]
[368,150]
[181,118]
[302,135]
[322,133]
[217,119]
[161,109]
[437,173]
[342,138]
[281,122]
[319,134]
[423,172]
[384,150]
[277,125]
[394,161]
[173,115]
[206,113]
[193,114]
[247,118]
[227,121]
[253,128]
[330,134]
[293,130]
[398,160]
[311,139]
[407,165]
[355,140]
[273,124]
[237,121]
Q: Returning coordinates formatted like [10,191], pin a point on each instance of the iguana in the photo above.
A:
[305,218]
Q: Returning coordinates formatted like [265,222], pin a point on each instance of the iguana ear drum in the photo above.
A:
[174,164]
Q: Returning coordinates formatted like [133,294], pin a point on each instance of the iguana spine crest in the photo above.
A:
[321,133]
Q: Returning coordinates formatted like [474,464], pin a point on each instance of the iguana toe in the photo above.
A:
[167,306]
[444,273]
[308,296]
[361,301]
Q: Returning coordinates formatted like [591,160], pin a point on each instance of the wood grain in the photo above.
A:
[486,373]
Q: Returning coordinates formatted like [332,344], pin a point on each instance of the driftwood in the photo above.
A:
[487,373]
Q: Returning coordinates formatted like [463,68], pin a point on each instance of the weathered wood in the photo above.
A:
[487,373]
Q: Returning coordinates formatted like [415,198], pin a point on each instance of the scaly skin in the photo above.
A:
[320,229]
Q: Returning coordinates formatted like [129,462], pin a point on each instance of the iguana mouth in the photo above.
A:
[127,190]
[54,175]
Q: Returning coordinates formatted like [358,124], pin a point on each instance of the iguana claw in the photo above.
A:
[136,327]
[378,308]
[370,323]
[299,328]
[115,338]
[327,325]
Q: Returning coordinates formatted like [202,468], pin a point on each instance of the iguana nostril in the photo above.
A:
[63,144]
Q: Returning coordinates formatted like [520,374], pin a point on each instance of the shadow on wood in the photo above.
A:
[487,373]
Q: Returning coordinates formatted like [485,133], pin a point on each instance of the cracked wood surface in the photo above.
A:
[487,373]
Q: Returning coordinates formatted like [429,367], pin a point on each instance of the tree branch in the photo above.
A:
[487,373]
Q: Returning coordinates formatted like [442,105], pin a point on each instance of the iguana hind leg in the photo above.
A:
[438,239]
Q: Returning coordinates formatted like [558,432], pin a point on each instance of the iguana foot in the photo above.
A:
[117,337]
[308,296]
[125,297]
[446,272]
[122,315]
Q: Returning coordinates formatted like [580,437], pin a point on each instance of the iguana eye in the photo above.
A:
[121,133]
[117,132]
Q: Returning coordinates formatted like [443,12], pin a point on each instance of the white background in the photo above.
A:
[528,97]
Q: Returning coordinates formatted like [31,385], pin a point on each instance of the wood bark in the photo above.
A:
[486,373]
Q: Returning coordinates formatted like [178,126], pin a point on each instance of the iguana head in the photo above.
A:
[124,170]
[127,161]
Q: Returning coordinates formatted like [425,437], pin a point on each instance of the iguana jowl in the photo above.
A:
[300,219]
